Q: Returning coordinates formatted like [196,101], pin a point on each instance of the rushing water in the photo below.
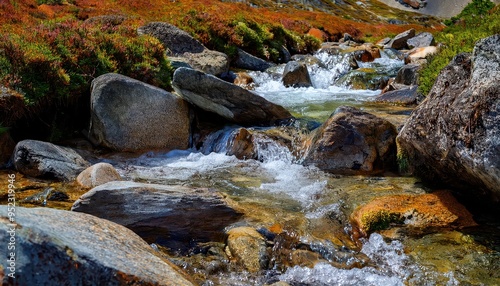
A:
[277,190]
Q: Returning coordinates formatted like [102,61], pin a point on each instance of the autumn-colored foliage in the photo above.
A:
[60,58]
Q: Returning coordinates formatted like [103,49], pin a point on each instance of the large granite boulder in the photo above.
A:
[352,142]
[230,101]
[54,247]
[160,212]
[129,115]
[246,61]
[180,44]
[453,137]
[296,75]
[45,160]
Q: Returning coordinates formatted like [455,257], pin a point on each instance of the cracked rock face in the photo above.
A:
[453,137]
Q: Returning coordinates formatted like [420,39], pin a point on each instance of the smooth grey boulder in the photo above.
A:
[55,247]
[421,40]
[453,137]
[296,75]
[45,160]
[352,142]
[247,61]
[179,43]
[230,101]
[129,115]
[157,212]
[175,40]
[400,41]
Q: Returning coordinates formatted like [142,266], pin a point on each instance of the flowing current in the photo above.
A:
[312,203]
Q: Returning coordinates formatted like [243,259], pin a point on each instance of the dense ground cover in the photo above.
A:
[478,20]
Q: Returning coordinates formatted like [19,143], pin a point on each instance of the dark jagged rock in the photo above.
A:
[230,101]
[400,41]
[408,74]
[55,247]
[129,115]
[296,75]
[45,160]
[353,142]
[453,137]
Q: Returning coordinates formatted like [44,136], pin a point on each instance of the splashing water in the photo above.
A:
[391,268]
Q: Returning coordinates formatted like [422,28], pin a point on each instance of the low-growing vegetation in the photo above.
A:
[58,59]
[478,20]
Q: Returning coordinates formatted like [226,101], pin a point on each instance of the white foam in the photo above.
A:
[392,268]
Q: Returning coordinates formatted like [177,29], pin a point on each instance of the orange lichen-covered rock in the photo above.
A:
[436,210]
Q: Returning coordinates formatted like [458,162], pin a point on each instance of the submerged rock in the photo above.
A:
[453,137]
[49,194]
[97,175]
[129,115]
[353,142]
[364,78]
[160,212]
[45,160]
[248,248]
[436,210]
[55,247]
[230,101]
[296,75]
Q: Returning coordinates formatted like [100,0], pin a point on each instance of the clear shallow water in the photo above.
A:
[277,191]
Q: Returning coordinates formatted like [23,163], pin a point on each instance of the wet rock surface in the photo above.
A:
[77,249]
[352,142]
[428,211]
[296,75]
[45,160]
[161,213]
[247,247]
